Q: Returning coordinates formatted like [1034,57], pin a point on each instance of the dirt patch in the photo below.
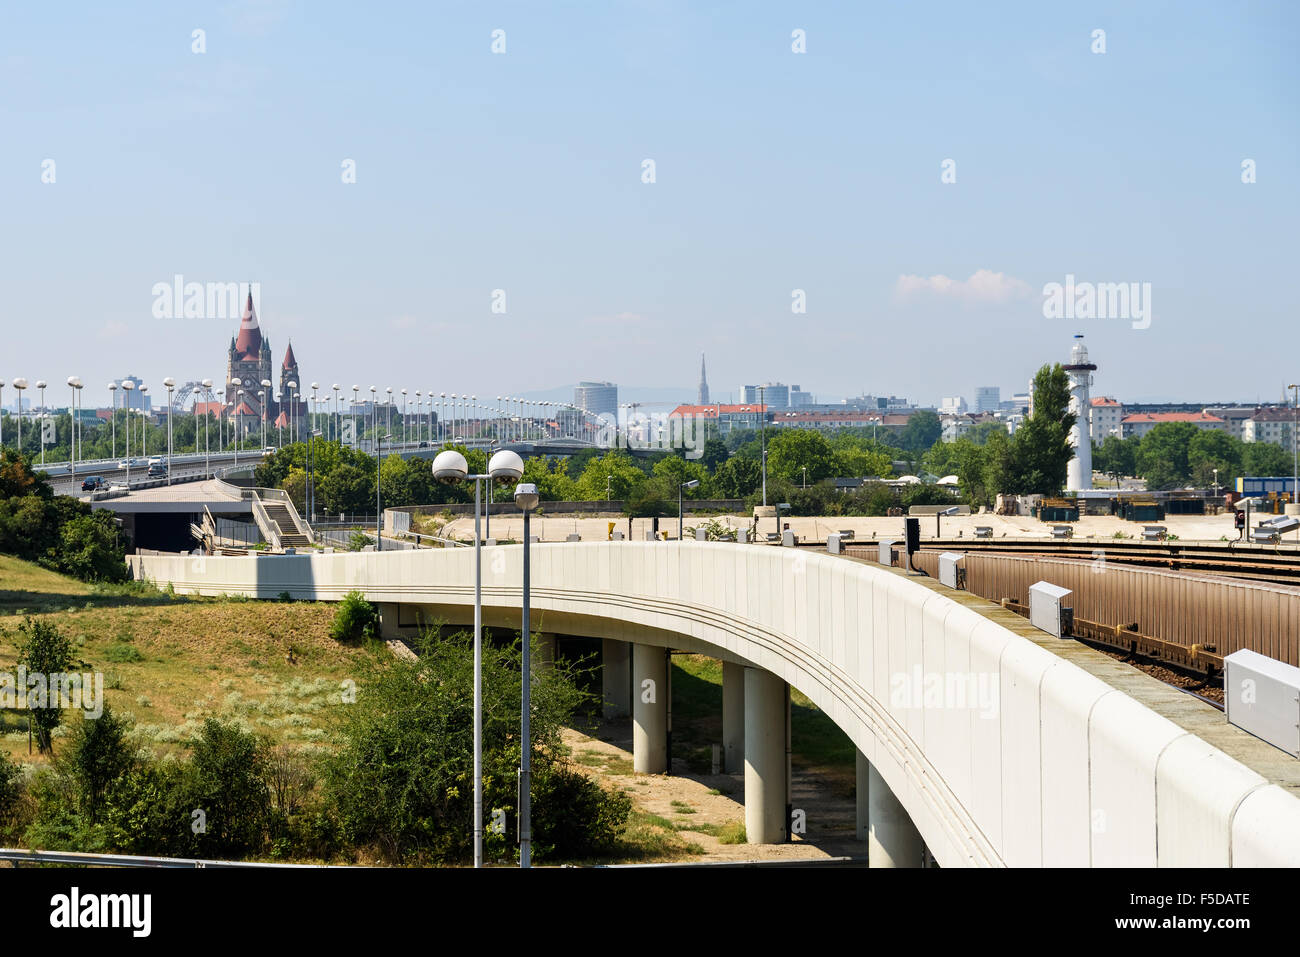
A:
[702,809]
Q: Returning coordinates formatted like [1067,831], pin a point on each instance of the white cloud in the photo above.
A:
[984,285]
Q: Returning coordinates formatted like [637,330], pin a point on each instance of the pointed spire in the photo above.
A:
[703,397]
[249,342]
[289,361]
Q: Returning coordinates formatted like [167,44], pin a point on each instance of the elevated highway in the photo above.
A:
[980,738]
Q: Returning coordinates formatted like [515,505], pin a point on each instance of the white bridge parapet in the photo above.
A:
[1001,751]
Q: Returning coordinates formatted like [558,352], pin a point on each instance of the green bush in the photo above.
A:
[402,785]
[356,619]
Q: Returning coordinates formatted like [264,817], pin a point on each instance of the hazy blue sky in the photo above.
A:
[775,171]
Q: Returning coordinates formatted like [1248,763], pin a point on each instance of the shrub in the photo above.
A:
[355,620]
[43,649]
[402,785]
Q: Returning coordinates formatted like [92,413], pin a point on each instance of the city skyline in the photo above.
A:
[601,274]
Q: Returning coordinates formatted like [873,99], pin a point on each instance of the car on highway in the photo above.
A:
[157,470]
[93,483]
[128,463]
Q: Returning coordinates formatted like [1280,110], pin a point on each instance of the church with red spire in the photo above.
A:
[248,366]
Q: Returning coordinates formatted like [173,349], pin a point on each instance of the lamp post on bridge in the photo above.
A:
[680,517]
[40,384]
[20,384]
[207,465]
[170,383]
[127,388]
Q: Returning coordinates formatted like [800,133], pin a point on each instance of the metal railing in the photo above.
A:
[20,856]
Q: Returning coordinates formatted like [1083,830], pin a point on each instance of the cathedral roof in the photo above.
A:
[289,361]
[249,342]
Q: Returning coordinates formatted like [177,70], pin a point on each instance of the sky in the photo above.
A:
[775,172]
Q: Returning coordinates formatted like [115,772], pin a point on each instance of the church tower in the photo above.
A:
[703,397]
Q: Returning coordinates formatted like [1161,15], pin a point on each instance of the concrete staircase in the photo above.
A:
[291,535]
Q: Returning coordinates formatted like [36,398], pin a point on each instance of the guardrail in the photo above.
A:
[20,856]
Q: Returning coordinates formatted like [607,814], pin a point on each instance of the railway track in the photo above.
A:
[1278,564]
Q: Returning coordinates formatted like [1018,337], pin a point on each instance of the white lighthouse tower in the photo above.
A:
[1078,477]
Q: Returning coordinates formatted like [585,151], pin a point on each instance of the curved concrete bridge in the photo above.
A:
[990,742]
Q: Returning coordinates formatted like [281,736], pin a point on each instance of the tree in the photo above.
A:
[1212,449]
[737,477]
[229,766]
[551,477]
[99,756]
[673,470]
[792,450]
[714,453]
[347,489]
[1162,456]
[923,429]
[44,651]
[997,464]
[89,548]
[1040,449]
[613,475]
[1116,456]
[1265,458]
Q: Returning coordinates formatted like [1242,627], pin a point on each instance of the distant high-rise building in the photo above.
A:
[799,399]
[598,398]
[132,398]
[702,397]
[987,398]
[774,395]
[952,405]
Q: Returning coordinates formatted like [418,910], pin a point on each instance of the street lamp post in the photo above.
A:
[526,498]
[356,437]
[207,465]
[295,427]
[20,384]
[144,422]
[112,396]
[239,400]
[263,396]
[762,424]
[40,384]
[450,466]
[804,469]
[683,485]
[127,387]
[170,383]
[379,508]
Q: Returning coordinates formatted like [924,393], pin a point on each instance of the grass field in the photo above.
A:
[169,661]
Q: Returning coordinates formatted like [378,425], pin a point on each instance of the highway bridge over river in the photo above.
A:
[980,738]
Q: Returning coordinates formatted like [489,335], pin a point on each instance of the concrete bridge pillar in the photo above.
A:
[616,677]
[649,709]
[544,652]
[388,619]
[733,717]
[892,838]
[766,769]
